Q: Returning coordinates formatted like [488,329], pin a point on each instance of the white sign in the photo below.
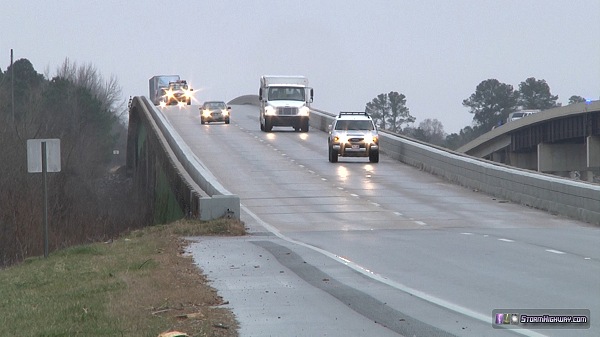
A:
[34,155]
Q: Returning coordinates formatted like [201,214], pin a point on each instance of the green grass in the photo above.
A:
[112,289]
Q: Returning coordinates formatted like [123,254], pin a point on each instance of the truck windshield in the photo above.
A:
[286,94]
[353,125]
[177,86]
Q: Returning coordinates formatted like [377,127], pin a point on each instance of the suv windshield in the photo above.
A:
[354,125]
[214,105]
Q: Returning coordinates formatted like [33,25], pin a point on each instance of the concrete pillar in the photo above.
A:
[561,157]
[498,157]
[587,176]
[523,160]
[593,152]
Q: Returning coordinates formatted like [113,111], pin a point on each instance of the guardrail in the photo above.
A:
[574,199]
[214,201]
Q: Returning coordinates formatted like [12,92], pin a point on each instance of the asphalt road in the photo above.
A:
[360,249]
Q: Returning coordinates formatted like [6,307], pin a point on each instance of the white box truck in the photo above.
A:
[284,101]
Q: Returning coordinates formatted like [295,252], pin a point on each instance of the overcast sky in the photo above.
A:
[434,52]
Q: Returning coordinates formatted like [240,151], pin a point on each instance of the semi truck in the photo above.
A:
[284,101]
[169,89]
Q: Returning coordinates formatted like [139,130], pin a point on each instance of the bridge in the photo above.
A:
[564,141]
[176,183]
[386,248]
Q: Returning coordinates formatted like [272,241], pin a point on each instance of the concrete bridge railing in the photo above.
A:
[170,173]
[574,199]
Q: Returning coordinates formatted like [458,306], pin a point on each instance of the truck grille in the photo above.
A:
[287,111]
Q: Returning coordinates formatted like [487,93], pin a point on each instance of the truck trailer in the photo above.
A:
[284,101]
[169,89]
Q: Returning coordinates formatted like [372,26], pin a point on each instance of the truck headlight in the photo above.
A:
[304,111]
[269,110]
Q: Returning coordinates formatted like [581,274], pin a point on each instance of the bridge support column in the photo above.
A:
[593,151]
[561,157]
[593,158]
[528,160]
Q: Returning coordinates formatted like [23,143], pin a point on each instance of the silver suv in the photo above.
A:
[353,134]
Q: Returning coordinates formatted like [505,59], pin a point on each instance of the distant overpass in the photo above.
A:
[564,141]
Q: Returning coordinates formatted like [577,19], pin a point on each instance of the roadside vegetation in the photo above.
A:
[111,271]
[139,284]
[490,104]
[89,200]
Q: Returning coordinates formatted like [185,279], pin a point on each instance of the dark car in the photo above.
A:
[214,111]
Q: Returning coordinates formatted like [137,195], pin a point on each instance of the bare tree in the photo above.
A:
[81,109]
[433,131]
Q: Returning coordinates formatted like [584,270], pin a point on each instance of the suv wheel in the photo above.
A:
[374,156]
[333,155]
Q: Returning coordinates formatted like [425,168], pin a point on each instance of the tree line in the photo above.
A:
[88,199]
[490,104]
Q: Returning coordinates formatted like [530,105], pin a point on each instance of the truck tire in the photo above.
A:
[374,156]
[304,127]
[268,126]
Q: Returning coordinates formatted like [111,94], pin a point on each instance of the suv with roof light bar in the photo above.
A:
[353,134]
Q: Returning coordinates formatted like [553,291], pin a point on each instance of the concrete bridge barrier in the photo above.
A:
[155,153]
[573,199]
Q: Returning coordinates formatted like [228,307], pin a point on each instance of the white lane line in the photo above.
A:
[466,233]
[421,223]
[555,251]
[354,195]
[506,240]
[420,294]
[311,171]
[398,213]
[324,179]
[375,204]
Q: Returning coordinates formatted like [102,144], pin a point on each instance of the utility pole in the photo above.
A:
[12,86]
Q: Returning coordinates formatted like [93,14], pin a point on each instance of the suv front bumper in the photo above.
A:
[361,149]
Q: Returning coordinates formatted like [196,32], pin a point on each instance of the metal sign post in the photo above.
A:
[48,150]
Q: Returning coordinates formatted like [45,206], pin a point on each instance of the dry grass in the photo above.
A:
[138,285]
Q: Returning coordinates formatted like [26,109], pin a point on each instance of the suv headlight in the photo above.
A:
[342,139]
[371,139]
